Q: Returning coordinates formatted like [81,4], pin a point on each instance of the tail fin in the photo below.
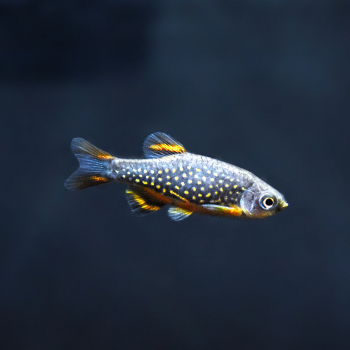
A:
[94,166]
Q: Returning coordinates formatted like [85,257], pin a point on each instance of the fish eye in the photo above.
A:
[267,202]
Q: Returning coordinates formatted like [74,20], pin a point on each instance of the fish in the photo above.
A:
[186,182]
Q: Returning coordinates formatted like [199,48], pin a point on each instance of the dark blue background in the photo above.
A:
[261,84]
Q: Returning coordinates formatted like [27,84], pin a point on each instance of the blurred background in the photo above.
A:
[261,84]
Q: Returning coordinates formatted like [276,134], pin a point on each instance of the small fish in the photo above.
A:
[187,182]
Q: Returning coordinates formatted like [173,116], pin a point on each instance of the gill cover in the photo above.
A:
[251,202]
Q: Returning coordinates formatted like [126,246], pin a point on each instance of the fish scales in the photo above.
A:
[171,175]
[198,179]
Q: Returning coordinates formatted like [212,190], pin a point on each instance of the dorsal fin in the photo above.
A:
[141,201]
[178,214]
[159,145]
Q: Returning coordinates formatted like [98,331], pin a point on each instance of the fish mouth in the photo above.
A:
[283,204]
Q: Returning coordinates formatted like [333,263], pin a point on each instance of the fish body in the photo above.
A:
[172,176]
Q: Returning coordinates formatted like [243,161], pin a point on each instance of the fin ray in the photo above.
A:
[142,202]
[93,163]
[178,214]
[159,145]
[82,147]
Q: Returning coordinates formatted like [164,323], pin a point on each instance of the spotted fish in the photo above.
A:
[172,176]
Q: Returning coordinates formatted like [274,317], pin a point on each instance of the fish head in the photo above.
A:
[261,200]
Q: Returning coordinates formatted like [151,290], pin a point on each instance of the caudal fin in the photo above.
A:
[94,166]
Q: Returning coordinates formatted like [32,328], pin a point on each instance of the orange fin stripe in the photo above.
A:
[102,156]
[168,148]
[99,178]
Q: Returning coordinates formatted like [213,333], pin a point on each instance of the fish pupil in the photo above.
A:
[268,202]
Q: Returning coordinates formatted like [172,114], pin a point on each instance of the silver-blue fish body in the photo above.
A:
[188,182]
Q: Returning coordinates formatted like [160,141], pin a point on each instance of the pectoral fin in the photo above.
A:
[222,210]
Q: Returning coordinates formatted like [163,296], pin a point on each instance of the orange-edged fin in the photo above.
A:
[160,145]
[223,211]
[178,214]
[82,147]
[78,181]
[94,166]
[141,201]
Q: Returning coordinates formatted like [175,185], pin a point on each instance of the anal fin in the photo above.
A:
[141,201]
[178,214]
